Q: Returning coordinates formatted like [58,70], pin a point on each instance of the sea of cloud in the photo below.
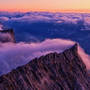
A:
[40,29]
[38,26]
[32,17]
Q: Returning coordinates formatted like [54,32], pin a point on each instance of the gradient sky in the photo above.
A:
[44,5]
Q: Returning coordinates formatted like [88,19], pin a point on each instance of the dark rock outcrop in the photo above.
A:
[7,36]
[64,71]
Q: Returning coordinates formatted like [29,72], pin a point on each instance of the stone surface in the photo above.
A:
[64,71]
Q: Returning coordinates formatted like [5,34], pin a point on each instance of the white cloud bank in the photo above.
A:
[14,55]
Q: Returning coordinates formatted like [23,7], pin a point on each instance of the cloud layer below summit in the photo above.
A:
[14,55]
[35,33]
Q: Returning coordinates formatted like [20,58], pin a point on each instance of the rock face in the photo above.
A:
[64,71]
[7,36]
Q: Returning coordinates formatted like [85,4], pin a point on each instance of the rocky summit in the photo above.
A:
[55,71]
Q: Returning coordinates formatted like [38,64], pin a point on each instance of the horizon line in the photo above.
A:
[44,10]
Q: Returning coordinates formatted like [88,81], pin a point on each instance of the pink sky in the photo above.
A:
[47,5]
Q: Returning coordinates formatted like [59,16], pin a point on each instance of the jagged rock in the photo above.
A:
[7,36]
[64,71]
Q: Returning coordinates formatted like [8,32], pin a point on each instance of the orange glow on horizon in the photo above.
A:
[46,10]
[82,6]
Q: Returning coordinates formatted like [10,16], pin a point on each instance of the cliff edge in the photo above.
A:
[55,71]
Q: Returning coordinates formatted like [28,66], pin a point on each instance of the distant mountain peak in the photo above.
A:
[7,36]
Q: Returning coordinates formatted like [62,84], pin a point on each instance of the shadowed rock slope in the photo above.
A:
[64,71]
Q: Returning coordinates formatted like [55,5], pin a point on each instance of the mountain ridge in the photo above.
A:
[54,71]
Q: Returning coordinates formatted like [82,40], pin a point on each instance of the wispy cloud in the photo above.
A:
[14,55]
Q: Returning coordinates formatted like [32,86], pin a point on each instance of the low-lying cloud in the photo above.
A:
[14,55]
[45,16]
[1,27]
[38,26]
[5,37]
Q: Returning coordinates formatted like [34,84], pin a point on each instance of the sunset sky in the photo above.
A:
[49,5]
